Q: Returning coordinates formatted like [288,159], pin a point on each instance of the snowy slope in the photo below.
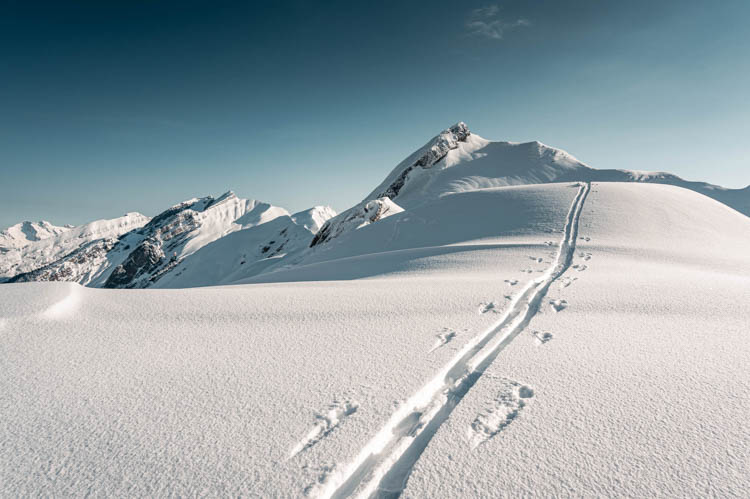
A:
[575,340]
[247,252]
[638,386]
[314,218]
[146,255]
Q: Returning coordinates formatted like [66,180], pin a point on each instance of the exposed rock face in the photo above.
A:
[443,143]
[75,266]
[359,216]
[144,259]
[426,157]
[385,195]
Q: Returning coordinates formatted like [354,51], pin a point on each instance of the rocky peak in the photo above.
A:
[433,152]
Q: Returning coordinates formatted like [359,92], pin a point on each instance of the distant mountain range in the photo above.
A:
[210,241]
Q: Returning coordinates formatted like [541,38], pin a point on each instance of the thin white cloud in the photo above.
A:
[485,22]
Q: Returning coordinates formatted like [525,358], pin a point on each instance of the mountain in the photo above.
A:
[24,233]
[457,160]
[32,255]
[248,252]
[208,241]
[139,257]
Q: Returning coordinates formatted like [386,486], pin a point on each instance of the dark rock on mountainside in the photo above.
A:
[144,259]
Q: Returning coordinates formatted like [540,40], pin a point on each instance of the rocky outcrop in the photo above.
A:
[77,266]
[431,154]
[144,259]
[359,216]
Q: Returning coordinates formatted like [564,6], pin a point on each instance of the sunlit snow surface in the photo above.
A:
[626,374]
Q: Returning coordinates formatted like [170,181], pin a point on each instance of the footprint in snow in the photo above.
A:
[537,259]
[541,338]
[585,238]
[443,338]
[325,423]
[567,281]
[488,307]
[324,472]
[585,256]
[511,282]
[558,305]
[501,412]
[580,267]
[528,271]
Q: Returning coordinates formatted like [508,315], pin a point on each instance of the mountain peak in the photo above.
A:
[459,129]
[434,151]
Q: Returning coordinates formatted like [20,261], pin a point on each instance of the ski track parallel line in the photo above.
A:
[384,464]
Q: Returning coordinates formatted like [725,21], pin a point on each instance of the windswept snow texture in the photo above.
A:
[335,381]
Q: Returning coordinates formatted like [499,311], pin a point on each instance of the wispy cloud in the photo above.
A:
[486,22]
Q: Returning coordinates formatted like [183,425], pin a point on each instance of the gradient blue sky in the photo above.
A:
[108,107]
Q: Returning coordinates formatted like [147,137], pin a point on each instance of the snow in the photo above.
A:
[494,319]
[21,234]
[314,218]
[238,255]
[453,162]
[421,340]
[642,389]
[143,253]
[38,253]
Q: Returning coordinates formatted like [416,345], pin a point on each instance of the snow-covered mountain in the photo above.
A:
[24,233]
[457,160]
[216,241]
[248,252]
[142,256]
[22,258]
[488,321]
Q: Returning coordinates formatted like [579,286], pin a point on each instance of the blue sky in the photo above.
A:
[109,107]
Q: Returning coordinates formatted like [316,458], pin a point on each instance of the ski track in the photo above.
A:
[383,466]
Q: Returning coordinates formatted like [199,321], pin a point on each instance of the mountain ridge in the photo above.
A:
[137,251]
